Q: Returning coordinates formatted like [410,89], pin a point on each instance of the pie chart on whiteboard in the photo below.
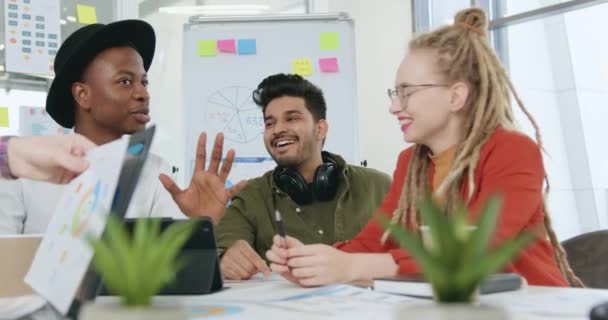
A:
[232,111]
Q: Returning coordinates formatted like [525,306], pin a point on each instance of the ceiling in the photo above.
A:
[148,7]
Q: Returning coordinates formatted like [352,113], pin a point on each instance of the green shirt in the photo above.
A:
[250,215]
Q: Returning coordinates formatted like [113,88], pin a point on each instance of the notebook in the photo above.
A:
[416,285]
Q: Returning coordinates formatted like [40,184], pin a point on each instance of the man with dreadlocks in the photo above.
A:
[452,101]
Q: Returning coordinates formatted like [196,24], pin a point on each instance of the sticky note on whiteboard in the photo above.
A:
[329,41]
[207,48]
[86,14]
[328,64]
[301,66]
[227,45]
[4,122]
[247,46]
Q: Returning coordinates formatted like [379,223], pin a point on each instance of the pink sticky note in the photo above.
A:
[328,64]
[227,45]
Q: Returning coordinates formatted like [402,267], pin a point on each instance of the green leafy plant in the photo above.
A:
[458,259]
[137,267]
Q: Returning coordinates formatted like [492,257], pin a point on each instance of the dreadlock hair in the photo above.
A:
[463,54]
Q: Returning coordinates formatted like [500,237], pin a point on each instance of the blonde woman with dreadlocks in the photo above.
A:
[452,102]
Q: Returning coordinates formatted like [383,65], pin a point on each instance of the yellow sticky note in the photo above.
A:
[330,41]
[302,67]
[207,48]
[86,14]
[4,117]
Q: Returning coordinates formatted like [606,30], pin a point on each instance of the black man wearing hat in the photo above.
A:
[100,90]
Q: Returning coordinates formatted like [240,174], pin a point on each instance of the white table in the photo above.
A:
[265,299]
[533,302]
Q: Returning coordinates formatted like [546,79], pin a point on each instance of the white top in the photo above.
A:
[26,206]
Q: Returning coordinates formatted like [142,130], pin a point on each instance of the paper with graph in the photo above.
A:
[64,254]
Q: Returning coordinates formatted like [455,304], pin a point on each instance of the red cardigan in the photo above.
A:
[511,164]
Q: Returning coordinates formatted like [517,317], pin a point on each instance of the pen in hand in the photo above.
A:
[280,227]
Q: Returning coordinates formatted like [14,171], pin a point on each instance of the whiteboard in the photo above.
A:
[218,85]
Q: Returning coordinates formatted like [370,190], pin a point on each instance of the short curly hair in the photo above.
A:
[291,85]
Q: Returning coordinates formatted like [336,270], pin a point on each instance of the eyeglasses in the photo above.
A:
[404,91]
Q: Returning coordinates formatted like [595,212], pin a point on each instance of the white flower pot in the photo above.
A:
[452,311]
[96,311]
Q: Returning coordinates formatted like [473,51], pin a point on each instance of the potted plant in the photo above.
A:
[456,258]
[136,266]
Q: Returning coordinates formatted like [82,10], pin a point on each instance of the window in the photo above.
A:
[430,14]
[560,71]
[562,74]
[512,7]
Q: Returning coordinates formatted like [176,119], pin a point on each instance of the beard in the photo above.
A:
[287,161]
[300,152]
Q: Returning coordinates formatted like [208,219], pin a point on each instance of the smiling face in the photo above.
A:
[291,135]
[423,112]
[112,97]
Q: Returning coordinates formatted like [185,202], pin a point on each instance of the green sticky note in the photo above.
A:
[330,41]
[86,14]
[207,48]
[4,117]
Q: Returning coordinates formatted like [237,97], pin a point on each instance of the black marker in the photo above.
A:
[280,227]
[281,230]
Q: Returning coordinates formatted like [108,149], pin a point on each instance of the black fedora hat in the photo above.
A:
[80,48]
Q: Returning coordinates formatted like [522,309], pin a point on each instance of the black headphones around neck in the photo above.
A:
[323,187]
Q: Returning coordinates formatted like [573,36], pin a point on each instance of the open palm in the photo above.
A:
[206,195]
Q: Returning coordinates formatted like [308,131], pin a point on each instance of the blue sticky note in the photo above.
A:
[247,46]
